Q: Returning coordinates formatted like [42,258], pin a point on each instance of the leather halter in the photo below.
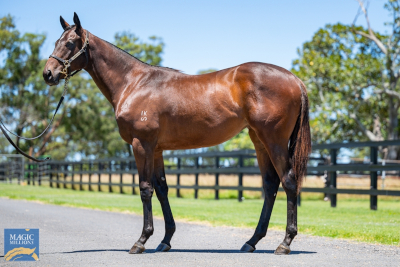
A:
[67,62]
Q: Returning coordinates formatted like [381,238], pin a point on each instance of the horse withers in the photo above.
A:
[159,109]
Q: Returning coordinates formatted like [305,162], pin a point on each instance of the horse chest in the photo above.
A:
[141,124]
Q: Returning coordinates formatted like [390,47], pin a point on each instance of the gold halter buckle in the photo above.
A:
[65,69]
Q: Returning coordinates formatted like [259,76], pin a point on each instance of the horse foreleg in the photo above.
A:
[144,155]
[161,187]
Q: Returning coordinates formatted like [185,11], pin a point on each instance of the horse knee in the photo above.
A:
[289,183]
[146,191]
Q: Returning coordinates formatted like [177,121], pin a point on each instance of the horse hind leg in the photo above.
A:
[277,148]
[270,185]
[280,159]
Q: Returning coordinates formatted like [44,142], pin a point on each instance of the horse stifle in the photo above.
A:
[159,108]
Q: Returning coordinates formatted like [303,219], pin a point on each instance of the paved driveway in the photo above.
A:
[83,237]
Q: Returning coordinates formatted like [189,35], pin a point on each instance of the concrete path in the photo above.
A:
[83,237]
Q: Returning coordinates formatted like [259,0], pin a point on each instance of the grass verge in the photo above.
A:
[352,219]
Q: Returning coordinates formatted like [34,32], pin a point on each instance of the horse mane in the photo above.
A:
[161,67]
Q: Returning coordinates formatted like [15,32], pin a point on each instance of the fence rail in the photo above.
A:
[216,163]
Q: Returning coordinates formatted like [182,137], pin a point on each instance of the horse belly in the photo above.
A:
[199,130]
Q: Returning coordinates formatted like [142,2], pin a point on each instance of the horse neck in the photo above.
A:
[112,69]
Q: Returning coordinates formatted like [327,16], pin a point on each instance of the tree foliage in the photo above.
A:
[210,70]
[85,124]
[340,70]
[352,76]
[149,52]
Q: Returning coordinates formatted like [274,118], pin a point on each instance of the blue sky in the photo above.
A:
[199,34]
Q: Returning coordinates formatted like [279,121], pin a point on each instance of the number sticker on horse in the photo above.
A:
[144,115]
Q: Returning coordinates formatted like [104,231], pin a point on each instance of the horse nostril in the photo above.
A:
[48,74]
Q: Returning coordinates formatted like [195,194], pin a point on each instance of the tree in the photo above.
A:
[389,46]
[206,71]
[351,83]
[23,95]
[149,53]
[86,122]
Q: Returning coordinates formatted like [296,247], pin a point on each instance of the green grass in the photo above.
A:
[352,219]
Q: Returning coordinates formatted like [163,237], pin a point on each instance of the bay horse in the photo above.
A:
[158,108]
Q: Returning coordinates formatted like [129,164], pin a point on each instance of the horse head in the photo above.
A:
[66,57]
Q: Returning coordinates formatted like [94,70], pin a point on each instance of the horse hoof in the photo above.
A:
[163,248]
[247,248]
[137,249]
[282,250]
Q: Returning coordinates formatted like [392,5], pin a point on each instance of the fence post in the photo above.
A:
[99,168]
[333,175]
[65,175]
[178,178]
[73,176]
[121,191]
[40,167]
[58,176]
[23,171]
[240,192]
[81,177]
[216,177]
[90,176]
[109,177]
[33,174]
[196,182]
[51,175]
[29,174]
[374,178]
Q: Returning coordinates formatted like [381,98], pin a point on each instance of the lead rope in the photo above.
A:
[66,80]
[67,64]
[52,119]
[4,129]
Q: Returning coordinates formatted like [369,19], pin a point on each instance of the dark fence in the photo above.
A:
[234,162]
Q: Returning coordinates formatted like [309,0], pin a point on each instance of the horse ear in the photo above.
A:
[64,24]
[78,26]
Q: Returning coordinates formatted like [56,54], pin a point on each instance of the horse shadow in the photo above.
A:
[221,251]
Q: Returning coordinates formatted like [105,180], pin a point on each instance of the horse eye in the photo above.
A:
[70,44]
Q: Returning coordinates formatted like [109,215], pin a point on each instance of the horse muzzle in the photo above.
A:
[51,77]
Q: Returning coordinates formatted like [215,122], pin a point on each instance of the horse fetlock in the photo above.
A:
[291,231]
[170,230]
[148,231]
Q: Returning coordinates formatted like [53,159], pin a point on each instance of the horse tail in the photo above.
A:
[300,140]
